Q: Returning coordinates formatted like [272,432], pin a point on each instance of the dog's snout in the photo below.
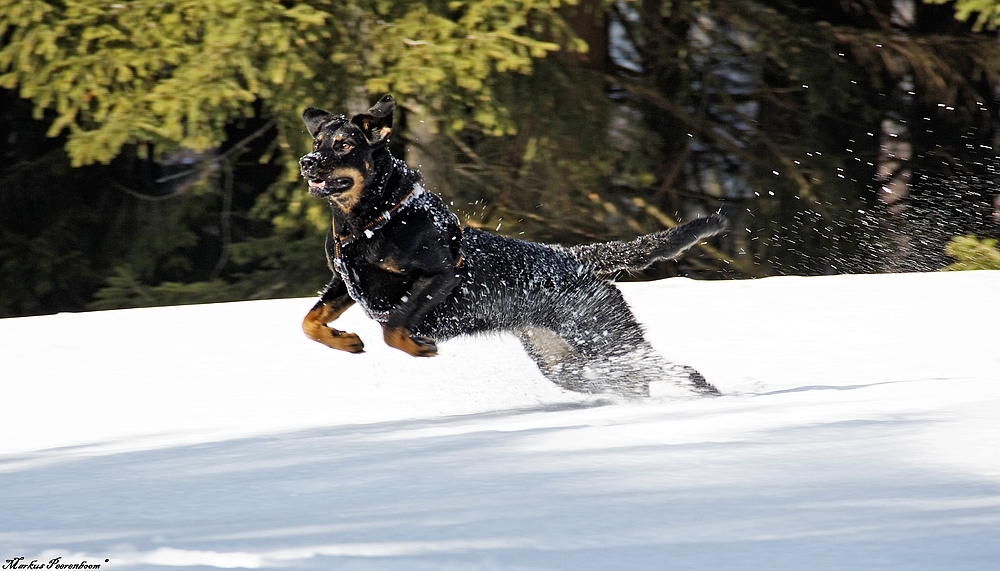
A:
[308,163]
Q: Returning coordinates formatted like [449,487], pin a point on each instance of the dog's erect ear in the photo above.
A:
[377,121]
[315,119]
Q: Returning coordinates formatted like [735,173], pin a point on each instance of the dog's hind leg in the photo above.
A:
[628,372]
[593,344]
[645,362]
[555,358]
[333,301]
[574,370]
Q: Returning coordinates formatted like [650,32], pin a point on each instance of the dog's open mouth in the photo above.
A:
[320,187]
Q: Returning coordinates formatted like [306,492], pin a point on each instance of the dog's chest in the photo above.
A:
[373,277]
[380,263]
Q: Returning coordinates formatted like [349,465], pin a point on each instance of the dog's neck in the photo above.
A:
[392,183]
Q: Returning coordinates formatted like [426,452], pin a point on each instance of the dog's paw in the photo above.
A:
[411,344]
[426,347]
[334,339]
[699,384]
[345,341]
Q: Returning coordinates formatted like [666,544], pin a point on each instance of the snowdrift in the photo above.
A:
[859,429]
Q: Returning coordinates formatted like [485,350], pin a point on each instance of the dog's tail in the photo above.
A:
[609,258]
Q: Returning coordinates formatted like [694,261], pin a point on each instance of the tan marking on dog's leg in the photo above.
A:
[314,326]
[549,348]
[401,339]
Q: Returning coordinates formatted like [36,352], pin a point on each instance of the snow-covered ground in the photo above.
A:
[859,429]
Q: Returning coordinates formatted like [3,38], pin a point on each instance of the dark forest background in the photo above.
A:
[148,150]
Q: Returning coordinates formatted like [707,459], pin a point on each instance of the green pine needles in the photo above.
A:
[972,253]
[175,73]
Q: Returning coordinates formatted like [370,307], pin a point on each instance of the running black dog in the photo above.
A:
[398,251]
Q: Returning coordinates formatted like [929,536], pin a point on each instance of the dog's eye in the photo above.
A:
[345,146]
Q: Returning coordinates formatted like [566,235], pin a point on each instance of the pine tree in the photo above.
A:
[177,96]
[987,12]
[971,253]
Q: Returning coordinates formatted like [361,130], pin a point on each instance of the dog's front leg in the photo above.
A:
[333,301]
[425,295]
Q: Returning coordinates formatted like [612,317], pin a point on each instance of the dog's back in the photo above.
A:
[507,284]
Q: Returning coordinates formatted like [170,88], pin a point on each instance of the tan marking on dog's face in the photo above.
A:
[347,200]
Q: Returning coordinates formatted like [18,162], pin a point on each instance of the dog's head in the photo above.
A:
[342,163]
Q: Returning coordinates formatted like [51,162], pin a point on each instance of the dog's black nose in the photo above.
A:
[308,163]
